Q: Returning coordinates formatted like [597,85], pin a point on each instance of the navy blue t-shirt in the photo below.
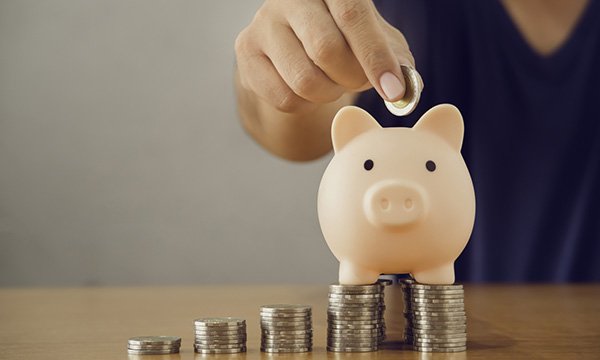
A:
[532,134]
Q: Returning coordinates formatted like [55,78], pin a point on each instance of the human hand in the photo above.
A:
[298,54]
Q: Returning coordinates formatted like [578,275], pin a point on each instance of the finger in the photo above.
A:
[325,45]
[295,67]
[261,78]
[358,23]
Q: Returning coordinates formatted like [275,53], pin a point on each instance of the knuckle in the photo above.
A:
[326,50]
[350,14]
[305,81]
[375,58]
[288,102]
[240,42]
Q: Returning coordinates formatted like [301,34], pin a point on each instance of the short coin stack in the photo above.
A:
[285,328]
[220,335]
[153,345]
[355,318]
[436,320]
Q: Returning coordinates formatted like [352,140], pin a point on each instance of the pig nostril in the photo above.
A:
[385,204]
[408,204]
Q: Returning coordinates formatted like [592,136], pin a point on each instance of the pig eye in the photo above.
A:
[368,164]
[430,165]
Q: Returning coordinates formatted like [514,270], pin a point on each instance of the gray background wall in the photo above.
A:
[122,160]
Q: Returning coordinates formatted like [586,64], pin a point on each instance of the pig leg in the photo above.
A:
[352,274]
[440,275]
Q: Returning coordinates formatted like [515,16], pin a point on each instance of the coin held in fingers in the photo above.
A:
[412,94]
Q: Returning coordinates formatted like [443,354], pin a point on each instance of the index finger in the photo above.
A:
[357,20]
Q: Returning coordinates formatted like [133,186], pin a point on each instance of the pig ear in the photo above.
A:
[349,122]
[444,121]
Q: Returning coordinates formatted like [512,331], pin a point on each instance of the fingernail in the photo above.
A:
[391,86]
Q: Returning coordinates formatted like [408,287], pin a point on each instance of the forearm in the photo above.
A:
[293,136]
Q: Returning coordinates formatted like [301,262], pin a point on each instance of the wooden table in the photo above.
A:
[504,322]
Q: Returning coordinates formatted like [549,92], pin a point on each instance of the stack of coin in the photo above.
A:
[436,320]
[220,335]
[285,328]
[355,318]
[153,345]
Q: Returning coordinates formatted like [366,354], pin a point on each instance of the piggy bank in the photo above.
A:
[397,200]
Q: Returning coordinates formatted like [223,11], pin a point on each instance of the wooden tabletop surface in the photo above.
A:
[504,322]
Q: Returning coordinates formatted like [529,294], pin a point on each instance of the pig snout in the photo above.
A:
[394,203]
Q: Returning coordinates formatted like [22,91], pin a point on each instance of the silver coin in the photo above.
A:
[284,317]
[335,330]
[436,287]
[459,300]
[220,332]
[357,310]
[152,352]
[352,349]
[438,298]
[425,293]
[152,347]
[285,324]
[412,93]
[355,302]
[437,307]
[287,339]
[437,318]
[360,336]
[437,303]
[453,329]
[221,341]
[437,313]
[356,337]
[287,328]
[219,321]
[353,322]
[221,337]
[447,343]
[374,296]
[282,308]
[154,340]
[353,326]
[291,332]
[456,326]
[219,351]
[367,317]
[440,340]
[218,346]
[354,289]
[347,344]
[439,349]
[286,350]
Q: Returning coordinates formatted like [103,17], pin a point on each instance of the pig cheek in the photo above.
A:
[343,222]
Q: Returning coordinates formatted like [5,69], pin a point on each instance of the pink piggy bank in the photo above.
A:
[397,200]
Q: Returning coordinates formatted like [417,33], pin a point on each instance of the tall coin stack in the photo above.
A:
[220,335]
[355,318]
[436,320]
[285,328]
[153,345]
